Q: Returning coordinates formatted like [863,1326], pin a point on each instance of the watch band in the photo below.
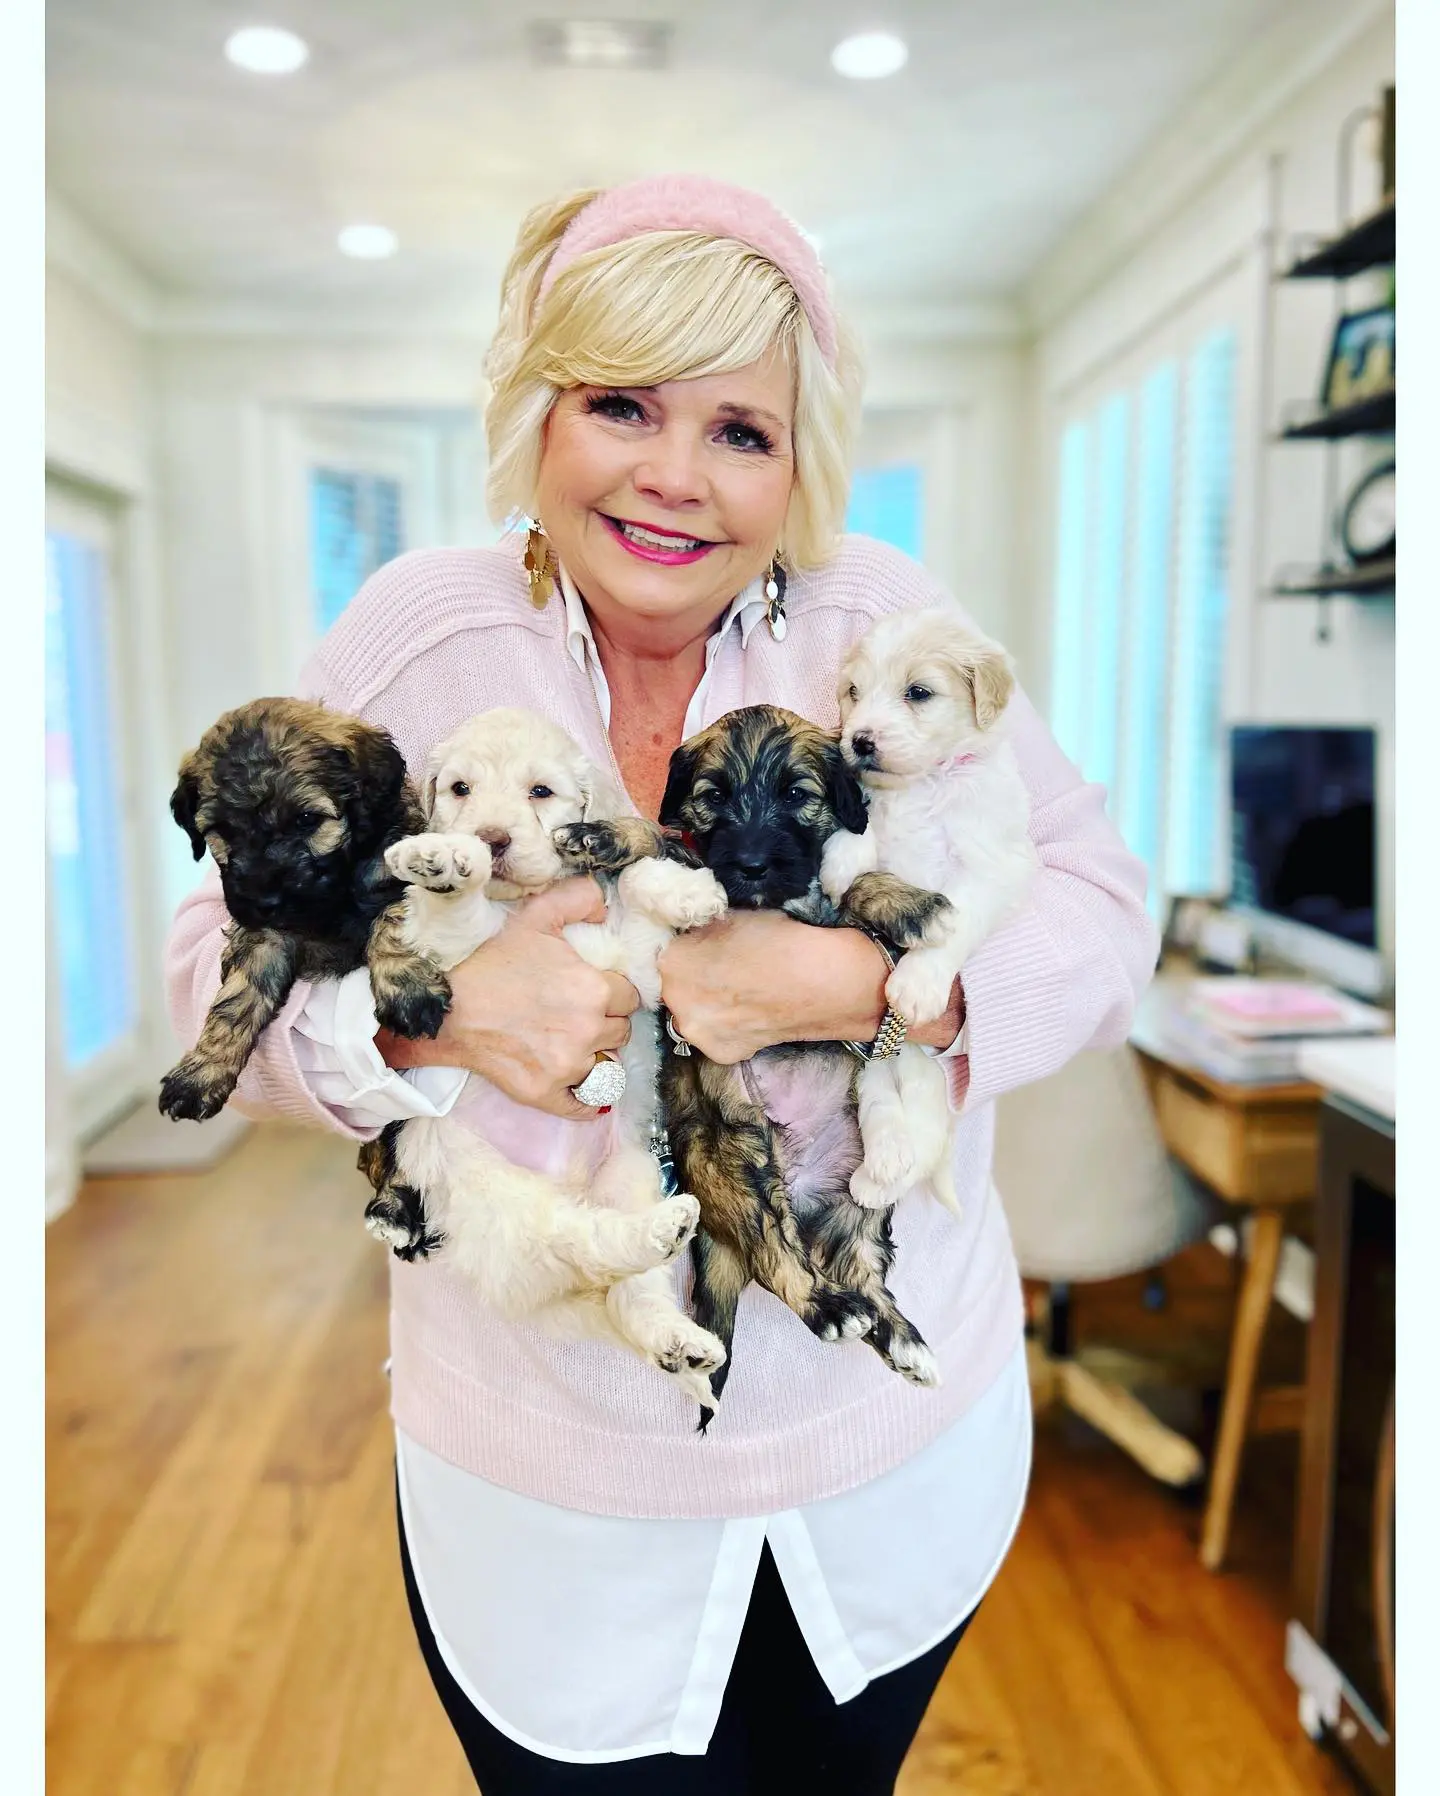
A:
[890,1037]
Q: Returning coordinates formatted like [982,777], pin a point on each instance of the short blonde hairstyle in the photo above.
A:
[668,305]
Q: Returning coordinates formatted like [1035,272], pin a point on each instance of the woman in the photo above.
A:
[608,1601]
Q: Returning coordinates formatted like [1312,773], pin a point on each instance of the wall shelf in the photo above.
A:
[1373,417]
[1368,244]
[1371,579]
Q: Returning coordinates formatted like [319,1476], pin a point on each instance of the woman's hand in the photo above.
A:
[757,978]
[526,1012]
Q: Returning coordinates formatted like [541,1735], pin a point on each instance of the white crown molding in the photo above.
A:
[93,262]
[982,319]
[1210,133]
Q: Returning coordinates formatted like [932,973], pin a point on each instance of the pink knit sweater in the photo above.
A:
[442,634]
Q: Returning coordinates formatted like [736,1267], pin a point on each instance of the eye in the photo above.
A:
[541,792]
[619,406]
[459,788]
[309,821]
[917,695]
[746,436]
[796,792]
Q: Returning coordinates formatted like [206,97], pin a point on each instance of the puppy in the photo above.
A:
[496,793]
[922,703]
[297,805]
[769,1146]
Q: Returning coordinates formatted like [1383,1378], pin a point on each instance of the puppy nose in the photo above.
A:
[752,866]
[863,744]
[497,839]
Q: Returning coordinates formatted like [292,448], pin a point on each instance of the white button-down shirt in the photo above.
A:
[596,1638]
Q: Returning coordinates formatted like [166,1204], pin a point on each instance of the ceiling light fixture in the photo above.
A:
[368,242]
[267,50]
[600,43]
[869,55]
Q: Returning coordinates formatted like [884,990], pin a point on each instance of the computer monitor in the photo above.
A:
[1303,847]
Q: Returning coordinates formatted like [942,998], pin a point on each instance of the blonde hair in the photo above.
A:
[668,305]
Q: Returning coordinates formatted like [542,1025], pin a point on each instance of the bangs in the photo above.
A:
[668,306]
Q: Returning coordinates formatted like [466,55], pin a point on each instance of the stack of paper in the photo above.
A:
[1249,1031]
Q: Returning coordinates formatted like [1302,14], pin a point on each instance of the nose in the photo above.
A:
[497,839]
[671,473]
[751,865]
[863,744]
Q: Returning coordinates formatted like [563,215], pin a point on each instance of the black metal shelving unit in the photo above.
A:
[1369,579]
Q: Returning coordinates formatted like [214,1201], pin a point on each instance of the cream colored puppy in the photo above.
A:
[922,703]
[496,790]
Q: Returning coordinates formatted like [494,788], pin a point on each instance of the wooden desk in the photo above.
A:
[1257,1146]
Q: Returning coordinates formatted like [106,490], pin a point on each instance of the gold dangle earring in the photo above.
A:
[775,597]
[541,564]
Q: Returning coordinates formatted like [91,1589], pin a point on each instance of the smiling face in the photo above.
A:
[664,502]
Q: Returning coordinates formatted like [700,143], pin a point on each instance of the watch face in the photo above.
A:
[1367,528]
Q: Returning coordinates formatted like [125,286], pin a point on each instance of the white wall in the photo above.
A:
[1109,285]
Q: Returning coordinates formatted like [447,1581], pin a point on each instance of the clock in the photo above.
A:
[1367,523]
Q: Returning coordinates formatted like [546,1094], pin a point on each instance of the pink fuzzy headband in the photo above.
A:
[714,209]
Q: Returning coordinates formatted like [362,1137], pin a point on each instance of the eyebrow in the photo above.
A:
[751,412]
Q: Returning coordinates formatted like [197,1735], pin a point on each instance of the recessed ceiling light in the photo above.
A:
[267,50]
[600,43]
[368,242]
[869,54]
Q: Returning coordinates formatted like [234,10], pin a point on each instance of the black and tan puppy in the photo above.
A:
[768,1146]
[297,804]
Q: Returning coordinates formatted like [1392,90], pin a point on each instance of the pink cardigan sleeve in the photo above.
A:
[1066,973]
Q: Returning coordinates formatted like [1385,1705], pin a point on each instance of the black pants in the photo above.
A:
[780,1731]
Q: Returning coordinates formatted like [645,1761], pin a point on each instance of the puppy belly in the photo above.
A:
[808,1097]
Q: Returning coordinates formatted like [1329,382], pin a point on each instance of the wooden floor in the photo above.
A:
[225,1610]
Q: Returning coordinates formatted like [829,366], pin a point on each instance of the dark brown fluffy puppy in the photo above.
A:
[756,796]
[297,804]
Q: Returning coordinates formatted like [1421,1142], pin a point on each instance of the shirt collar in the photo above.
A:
[746,609]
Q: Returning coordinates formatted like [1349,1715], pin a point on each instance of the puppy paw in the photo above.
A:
[412,999]
[401,1227]
[440,863]
[913,1360]
[674,896]
[845,857]
[920,986]
[593,847]
[837,1315]
[872,1193]
[689,1354]
[194,1090]
[670,1226]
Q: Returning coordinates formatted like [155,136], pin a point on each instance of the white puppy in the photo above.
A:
[922,702]
[495,793]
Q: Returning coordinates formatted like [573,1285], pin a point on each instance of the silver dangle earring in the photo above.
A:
[775,598]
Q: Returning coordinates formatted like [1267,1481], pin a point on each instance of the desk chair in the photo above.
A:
[1091,1194]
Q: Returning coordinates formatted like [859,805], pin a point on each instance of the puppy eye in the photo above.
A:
[795,793]
[308,821]
[917,695]
[459,788]
[541,792]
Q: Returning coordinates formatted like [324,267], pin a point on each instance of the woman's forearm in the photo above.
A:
[847,993]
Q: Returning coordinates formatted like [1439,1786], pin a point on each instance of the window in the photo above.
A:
[1141,604]
[84,806]
[355,527]
[886,503]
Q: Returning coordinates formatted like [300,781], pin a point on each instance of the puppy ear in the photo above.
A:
[380,782]
[600,798]
[843,789]
[992,680]
[185,801]
[677,787]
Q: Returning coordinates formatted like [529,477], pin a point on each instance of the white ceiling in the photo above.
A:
[945,183]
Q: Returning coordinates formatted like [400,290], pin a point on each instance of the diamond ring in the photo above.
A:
[603,1086]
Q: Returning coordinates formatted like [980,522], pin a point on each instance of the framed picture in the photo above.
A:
[1362,358]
